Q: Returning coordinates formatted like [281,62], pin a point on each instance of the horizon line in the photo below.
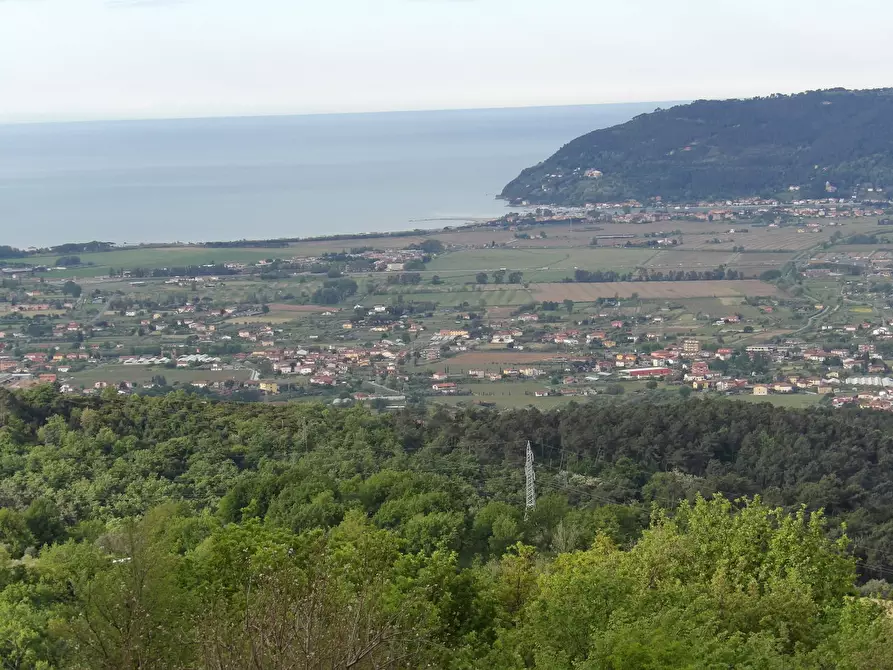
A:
[281,115]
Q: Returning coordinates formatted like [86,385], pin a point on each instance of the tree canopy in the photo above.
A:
[173,532]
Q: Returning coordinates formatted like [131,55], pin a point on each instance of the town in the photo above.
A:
[788,305]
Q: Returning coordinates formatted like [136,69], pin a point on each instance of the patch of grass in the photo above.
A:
[141,374]
[158,258]
[559,261]
[793,400]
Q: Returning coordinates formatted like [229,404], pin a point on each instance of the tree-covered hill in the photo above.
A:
[173,532]
[717,149]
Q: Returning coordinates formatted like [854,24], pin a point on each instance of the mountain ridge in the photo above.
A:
[818,142]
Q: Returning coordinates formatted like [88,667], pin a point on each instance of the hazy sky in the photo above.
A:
[77,59]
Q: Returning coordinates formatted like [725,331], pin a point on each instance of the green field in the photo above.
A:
[456,296]
[507,394]
[541,260]
[794,400]
[141,374]
[157,258]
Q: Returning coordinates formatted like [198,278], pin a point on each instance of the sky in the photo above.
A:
[125,59]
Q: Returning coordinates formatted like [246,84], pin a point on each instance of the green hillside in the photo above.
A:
[176,533]
[725,149]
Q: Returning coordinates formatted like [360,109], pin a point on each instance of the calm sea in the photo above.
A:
[255,178]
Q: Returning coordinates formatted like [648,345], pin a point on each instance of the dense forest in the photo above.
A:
[706,150]
[174,532]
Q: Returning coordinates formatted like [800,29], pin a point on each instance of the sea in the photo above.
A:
[200,180]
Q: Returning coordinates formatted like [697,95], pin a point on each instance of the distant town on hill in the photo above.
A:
[807,145]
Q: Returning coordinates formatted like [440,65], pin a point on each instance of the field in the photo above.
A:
[652,290]
[508,394]
[500,359]
[151,257]
[795,400]
[752,264]
[142,374]
[299,309]
[540,260]
[491,296]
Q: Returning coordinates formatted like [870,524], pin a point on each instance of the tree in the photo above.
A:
[127,606]
[568,305]
[436,280]
[682,604]
[44,521]
[481,278]
[14,533]
[431,246]
[515,277]
[72,289]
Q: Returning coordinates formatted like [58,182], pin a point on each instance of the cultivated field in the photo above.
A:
[282,307]
[652,290]
[751,264]
[526,260]
[151,257]
[142,374]
[481,359]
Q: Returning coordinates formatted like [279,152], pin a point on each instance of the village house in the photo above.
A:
[699,372]
[625,360]
[568,338]
[724,385]
[659,358]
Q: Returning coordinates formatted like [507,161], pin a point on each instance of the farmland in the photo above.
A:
[541,259]
[652,290]
[157,257]
[143,374]
[751,263]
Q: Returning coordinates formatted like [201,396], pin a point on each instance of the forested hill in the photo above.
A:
[710,150]
[172,532]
